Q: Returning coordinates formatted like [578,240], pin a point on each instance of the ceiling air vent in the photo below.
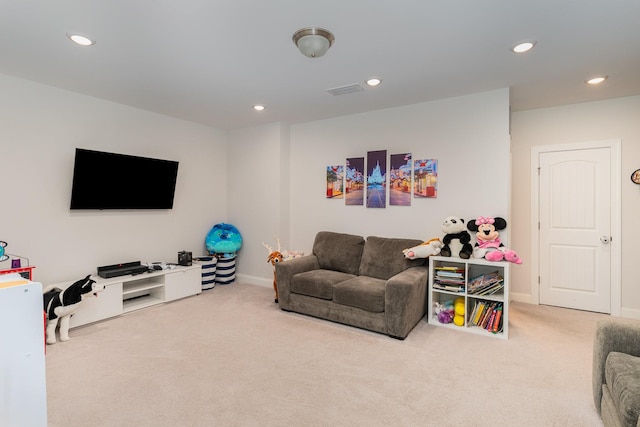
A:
[345,89]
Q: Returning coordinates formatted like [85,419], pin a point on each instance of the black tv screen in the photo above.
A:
[118,181]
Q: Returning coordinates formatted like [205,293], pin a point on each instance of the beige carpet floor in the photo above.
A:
[231,357]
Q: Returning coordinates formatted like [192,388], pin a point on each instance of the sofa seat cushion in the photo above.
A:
[318,283]
[622,373]
[362,292]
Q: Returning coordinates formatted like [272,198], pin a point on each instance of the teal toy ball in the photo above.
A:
[223,239]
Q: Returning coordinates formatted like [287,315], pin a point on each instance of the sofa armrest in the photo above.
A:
[285,272]
[405,300]
[618,335]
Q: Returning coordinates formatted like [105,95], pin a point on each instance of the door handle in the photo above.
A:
[605,239]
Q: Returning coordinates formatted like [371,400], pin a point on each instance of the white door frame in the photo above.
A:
[616,231]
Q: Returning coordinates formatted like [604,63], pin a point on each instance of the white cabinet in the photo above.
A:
[481,286]
[133,292]
[107,304]
[23,394]
[183,283]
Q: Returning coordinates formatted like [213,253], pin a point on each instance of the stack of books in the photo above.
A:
[487,315]
[449,278]
[486,284]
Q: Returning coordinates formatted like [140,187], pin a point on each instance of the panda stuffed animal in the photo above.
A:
[457,239]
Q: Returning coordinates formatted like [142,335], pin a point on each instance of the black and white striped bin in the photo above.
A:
[226,270]
[208,271]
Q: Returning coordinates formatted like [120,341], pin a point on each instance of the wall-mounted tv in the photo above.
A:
[118,181]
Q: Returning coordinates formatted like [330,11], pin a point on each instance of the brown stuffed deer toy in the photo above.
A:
[274,258]
[279,256]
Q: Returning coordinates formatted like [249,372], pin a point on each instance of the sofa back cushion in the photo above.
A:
[382,257]
[338,251]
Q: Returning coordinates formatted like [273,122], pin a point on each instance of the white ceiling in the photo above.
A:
[209,61]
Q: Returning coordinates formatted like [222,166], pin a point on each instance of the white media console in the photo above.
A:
[132,292]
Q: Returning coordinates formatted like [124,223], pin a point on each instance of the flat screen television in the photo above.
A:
[118,181]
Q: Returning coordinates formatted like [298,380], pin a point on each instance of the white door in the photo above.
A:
[575,196]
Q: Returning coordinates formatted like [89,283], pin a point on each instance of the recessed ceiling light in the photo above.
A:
[81,40]
[523,47]
[374,81]
[258,107]
[596,80]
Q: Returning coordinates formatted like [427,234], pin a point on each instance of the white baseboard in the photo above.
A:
[630,313]
[254,280]
[520,297]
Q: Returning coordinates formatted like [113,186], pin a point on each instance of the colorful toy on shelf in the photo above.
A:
[488,245]
[424,250]
[223,239]
[459,310]
[3,257]
[16,263]
[456,239]
[444,311]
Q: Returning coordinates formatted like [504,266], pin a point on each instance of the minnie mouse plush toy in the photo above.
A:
[488,245]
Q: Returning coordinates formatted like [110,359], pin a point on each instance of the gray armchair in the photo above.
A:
[616,372]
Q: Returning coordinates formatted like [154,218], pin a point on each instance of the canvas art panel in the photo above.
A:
[335,182]
[400,179]
[425,178]
[377,179]
[354,185]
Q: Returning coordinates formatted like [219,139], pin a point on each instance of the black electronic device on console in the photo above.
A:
[184,258]
[123,269]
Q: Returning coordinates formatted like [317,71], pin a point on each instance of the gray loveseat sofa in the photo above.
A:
[616,372]
[363,283]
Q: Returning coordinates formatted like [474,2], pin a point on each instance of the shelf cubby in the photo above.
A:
[462,273]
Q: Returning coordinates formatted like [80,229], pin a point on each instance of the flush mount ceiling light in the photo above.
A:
[374,81]
[313,42]
[523,47]
[81,40]
[596,80]
[258,107]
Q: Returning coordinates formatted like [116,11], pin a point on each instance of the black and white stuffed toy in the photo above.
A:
[456,239]
[60,304]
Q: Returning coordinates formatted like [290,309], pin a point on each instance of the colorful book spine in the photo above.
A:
[489,323]
[480,310]
[496,322]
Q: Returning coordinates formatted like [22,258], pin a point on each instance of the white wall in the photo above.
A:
[593,121]
[41,126]
[258,200]
[468,135]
